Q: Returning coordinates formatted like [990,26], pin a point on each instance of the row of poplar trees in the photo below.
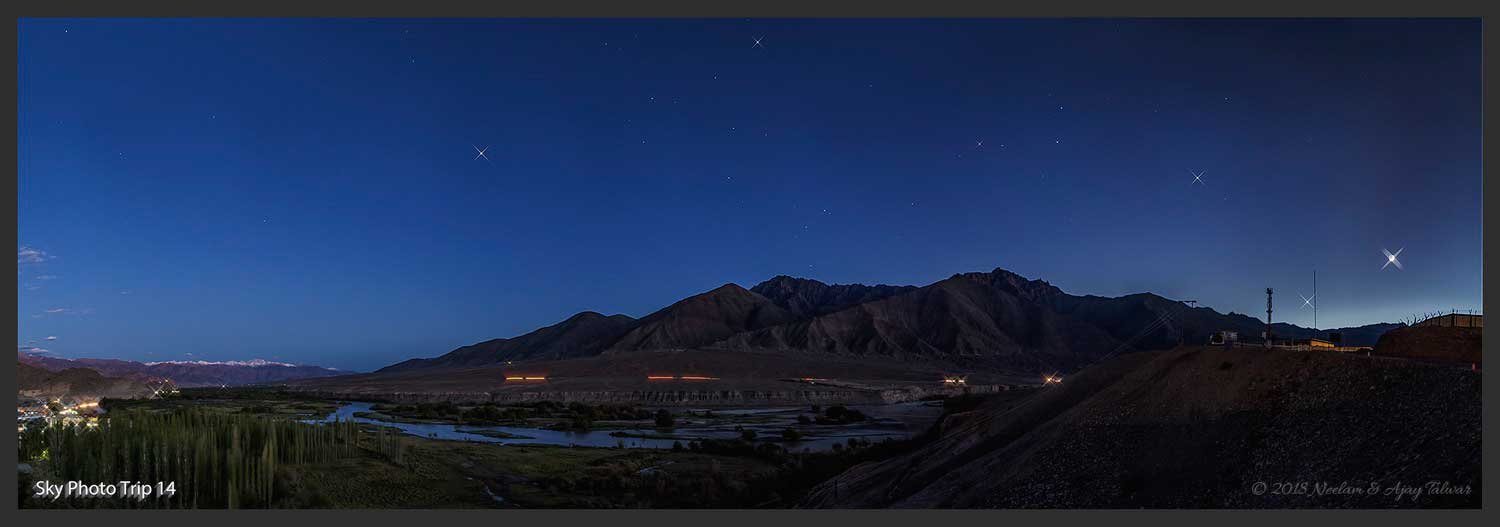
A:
[216,460]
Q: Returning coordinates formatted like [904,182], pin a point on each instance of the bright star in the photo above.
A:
[481,152]
[979,144]
[1306,301]
[757,43]
[1391,258]
[1198,178]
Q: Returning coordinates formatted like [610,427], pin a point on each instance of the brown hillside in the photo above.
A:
[1197,427]
[703,319]
[582,335]
[76,382]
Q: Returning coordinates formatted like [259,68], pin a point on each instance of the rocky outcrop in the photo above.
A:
[805,298]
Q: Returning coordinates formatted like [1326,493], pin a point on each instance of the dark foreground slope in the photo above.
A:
[1200,427]
[1433,344]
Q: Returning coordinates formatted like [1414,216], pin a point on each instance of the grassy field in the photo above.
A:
[449,474]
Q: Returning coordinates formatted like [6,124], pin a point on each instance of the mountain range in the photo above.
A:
[182,373]
[997,321]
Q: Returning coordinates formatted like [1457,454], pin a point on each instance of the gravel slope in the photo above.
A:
[1200,428]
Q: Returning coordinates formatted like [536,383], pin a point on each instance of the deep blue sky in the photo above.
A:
[306,190]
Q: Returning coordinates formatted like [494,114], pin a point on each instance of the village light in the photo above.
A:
[680,378]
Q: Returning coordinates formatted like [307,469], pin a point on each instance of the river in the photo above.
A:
[895,421]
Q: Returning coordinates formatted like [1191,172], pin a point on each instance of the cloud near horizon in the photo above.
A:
[28,255]
[63,311]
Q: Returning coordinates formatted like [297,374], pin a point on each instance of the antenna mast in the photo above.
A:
[1315,299]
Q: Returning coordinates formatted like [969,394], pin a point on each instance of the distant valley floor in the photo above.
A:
[699,377]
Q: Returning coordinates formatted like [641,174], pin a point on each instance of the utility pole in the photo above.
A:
[1269,292]
[1315,298]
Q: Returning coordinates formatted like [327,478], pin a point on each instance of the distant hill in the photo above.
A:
[995,320]
[75,382]
[184,373]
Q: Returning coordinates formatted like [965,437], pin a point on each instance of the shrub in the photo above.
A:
[841,415]
[582,422]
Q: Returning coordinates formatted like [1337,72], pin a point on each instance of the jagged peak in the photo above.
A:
[730,287]
[595,315]
[782,278]
[784,281]
[1010,281]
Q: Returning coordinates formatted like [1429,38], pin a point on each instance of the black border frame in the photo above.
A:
[775,9]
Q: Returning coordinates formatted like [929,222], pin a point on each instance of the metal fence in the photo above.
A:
[1298,347]
[1454,320]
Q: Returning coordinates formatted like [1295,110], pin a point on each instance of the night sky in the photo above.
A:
[308,190]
